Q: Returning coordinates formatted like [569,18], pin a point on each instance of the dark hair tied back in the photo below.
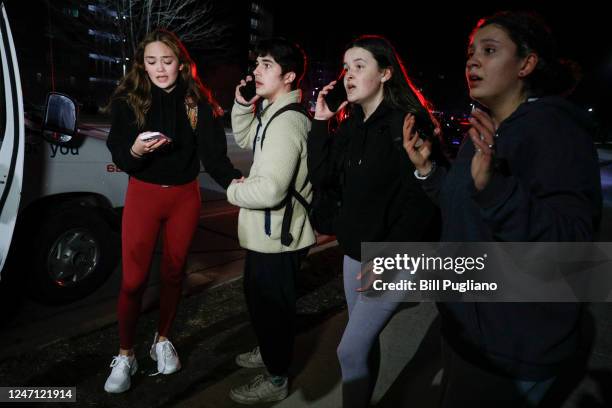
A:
[552,75]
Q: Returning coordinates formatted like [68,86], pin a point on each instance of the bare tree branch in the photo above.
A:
[192,20]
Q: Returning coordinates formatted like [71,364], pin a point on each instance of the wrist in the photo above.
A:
[134,154]
[246,105]
[425,171]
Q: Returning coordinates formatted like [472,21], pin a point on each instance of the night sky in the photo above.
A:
[431,37]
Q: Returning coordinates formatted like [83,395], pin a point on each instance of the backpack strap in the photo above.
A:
[258,116]
[286,238]
[297,107]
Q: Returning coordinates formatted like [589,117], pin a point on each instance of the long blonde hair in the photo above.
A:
[135,86]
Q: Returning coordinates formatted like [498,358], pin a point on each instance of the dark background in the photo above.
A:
[431,38]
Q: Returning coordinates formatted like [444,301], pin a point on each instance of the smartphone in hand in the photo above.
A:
[336,96]
[248,91]
[424,126]
[149,136]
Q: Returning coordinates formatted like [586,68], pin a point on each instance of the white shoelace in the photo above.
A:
[118,359]
[123,363]
[256,382]
[168,351]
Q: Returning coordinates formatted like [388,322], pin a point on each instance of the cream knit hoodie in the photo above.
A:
[270,176]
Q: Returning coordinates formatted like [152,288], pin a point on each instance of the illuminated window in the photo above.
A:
[102,10]
[104,80]
[103,34]
[106,58]
[72,12]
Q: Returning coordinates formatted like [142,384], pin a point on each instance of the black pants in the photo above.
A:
[269,288]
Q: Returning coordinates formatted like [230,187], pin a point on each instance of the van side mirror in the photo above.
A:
[60,121]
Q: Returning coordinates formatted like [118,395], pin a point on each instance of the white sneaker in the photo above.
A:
[166,356]
[251,359]
[260,389]
[119,379]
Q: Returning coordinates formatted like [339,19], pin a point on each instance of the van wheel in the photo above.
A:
[75,251]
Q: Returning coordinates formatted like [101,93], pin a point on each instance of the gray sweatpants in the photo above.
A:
[367,318]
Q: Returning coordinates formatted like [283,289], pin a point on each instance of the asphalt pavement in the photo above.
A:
[212,326]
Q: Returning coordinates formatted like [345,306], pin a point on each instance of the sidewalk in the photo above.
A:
[404,374]
[212,326]
[410,370]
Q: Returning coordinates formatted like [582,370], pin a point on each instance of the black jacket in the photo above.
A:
[178,162]
[546,188]
[381,201]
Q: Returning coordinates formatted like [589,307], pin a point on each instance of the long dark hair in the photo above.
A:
[135,86]
[399,91]
[552,75]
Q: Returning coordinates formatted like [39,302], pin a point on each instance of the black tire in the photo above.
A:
[74,253]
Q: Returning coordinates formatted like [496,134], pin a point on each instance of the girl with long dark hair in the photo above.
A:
[364,159]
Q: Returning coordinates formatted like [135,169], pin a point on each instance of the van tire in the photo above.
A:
[75,251]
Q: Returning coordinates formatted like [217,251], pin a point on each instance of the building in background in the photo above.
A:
[67,46]
[261,24]
[83,48]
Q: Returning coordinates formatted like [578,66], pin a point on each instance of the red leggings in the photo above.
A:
[147,208]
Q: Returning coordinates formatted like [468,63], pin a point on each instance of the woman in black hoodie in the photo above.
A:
[381,201]
[161,98]
[528,172]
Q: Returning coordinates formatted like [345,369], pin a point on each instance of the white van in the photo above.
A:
[11,138]
[59,194]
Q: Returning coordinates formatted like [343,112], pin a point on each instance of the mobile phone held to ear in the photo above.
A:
[248,91]
[336,96]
